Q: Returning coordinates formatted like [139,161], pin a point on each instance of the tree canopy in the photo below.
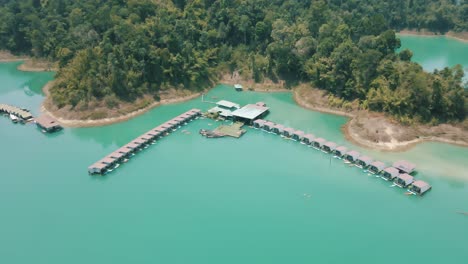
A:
[120,50]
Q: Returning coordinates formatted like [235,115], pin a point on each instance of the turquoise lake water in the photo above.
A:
[427,51]
[189,199]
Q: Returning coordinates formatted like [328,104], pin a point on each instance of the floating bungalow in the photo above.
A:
[329,146]
[278,129]
[249,113]
[318,143]
[376,167]
[268,126]
[117,155]
[340,151]
[288,132]
[404,180]
[224,108]
[420,187]
[390,173]
[308,139]
[98,168]
[258,123]
[47,124]
[352,156]
[363,161]
[298,135]
[404,166]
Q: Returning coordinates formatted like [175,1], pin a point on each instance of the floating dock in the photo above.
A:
[397,173]
[47,123]
[19,112]
[121,155]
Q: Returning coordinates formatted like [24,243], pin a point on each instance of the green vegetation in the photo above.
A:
[121,50]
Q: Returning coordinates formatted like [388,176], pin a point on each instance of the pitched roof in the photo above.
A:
[392,171]
[404,165]
[421,184]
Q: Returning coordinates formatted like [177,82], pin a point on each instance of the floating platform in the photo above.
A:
[234,130]
[47,123]
[123,154]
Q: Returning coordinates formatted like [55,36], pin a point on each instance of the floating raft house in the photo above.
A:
[404,180]
[376,167]
[420,187]
[21,113]
[298,135]
[329,146]
[390,173]
[258,123]
[308,139]
[112,160]
[352,156]
[364,161]
[47,123]
[318,142]
[278,129]
[340,151]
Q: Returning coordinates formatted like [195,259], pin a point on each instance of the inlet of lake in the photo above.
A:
[189,199]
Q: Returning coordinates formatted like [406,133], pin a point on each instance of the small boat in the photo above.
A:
[125,160]
[14,118]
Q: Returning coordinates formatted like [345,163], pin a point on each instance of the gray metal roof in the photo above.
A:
[404,165]
[250,111]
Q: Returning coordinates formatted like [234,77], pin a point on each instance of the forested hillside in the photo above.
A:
[119,50]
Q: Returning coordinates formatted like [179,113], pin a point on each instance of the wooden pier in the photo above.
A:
[121,155]
[400,169]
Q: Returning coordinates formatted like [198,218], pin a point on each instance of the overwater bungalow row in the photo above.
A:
[399,172]
[113,160]
[18,112]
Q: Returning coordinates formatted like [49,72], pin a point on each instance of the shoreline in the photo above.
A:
[29,64]
[462,37]
[109,120]
[352,130]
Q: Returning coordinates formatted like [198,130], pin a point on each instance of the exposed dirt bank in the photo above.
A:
[101,115]
[460,36]
[377,131]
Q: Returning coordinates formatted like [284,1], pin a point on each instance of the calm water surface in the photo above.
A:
[189,199]
[436,52]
